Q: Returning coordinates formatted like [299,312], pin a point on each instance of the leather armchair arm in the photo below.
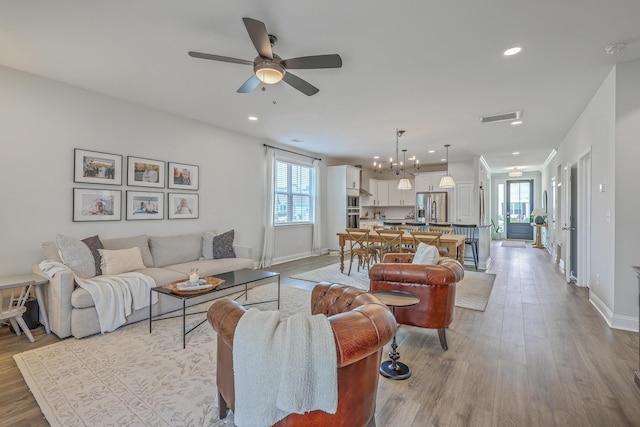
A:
[224,315]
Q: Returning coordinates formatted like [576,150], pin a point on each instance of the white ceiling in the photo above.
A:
[429,67]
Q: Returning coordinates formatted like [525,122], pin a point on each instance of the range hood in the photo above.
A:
[364,192]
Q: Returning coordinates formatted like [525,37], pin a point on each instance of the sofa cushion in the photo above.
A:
[207,244]
[121,260]
[223,245]
[81,298]
[141,242]
[94,245]
[212,267]
[76,255]
[51,252]
[162,276]
[176,249]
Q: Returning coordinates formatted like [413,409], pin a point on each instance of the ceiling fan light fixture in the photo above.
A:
[269,72]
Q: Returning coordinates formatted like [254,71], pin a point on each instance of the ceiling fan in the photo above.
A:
[268,67]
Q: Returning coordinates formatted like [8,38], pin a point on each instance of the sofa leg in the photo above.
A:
[223,408]
[442,334]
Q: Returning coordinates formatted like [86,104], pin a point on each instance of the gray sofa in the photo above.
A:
[166,258]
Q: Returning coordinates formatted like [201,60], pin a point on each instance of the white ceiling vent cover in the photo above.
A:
[504,117]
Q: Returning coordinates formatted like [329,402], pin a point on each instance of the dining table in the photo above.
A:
[453,242]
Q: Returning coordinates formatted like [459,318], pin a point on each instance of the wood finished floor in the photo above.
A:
[540,355]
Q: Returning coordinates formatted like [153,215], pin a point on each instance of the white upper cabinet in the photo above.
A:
[429,181]
[385,193]
[353,178]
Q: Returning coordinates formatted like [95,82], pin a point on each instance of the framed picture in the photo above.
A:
[183,177]
[145,205]
[145,172]
[90,204]
[183,205]
[93,167]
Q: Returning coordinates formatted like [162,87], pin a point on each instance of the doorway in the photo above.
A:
[519,207]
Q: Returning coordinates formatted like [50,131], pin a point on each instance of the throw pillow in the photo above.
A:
[76,255]
[426,254]
[207,244]
[94,243]
[121,260]
[223,245]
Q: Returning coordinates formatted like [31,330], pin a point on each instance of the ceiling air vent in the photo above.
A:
[504,117]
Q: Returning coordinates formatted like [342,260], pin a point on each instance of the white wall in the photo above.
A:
[610,127]
[627,200]
[42,121]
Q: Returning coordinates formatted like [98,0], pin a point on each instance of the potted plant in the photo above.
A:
[496,231]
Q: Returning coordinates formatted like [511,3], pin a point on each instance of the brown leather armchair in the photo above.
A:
[361,324]
[434,284]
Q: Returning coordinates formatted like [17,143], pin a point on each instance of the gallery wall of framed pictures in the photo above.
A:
[106,204]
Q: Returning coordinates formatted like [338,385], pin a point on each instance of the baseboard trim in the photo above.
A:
[293,257]
[625,323]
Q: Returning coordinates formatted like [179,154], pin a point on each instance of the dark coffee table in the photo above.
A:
[233,279]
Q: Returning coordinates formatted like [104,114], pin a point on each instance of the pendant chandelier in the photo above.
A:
[447,180]
[404,183]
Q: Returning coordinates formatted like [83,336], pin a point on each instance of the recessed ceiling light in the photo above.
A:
[516,122]
[432,151]
[513,51]
[515,153]
[376,157]
[253,118]
[443,160]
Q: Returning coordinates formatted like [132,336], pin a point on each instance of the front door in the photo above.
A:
[519,197]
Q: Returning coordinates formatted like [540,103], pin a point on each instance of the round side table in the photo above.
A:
[393,369]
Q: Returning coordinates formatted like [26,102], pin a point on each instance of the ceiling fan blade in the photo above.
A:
[249,85]
[259,36]
[302,85]
[316,61]
[220,58]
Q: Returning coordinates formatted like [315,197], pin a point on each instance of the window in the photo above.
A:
[293,193]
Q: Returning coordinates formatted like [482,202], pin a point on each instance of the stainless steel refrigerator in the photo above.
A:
[431,207]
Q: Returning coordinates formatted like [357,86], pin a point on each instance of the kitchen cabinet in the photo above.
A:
[429,181]
[343,207]
[353,178]
[385,193]
[401,197]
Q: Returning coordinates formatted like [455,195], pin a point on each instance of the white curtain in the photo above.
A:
[269,230]
[317,227]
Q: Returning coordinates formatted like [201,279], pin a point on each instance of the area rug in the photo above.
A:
[130,377]
[473,291]
[513,244]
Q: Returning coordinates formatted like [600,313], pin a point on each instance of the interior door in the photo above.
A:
[519,200]
[464,203]
[569,228]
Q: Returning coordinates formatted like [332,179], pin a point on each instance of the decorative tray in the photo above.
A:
[206,284]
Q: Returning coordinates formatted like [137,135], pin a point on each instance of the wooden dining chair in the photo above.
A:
[390,241]
[409,247]
[359,247]
[443,230]
[430,238]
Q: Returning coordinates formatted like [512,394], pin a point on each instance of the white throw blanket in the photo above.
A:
[283,367]
[115,296]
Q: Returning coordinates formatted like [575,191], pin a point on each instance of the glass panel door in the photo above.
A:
[519,197]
